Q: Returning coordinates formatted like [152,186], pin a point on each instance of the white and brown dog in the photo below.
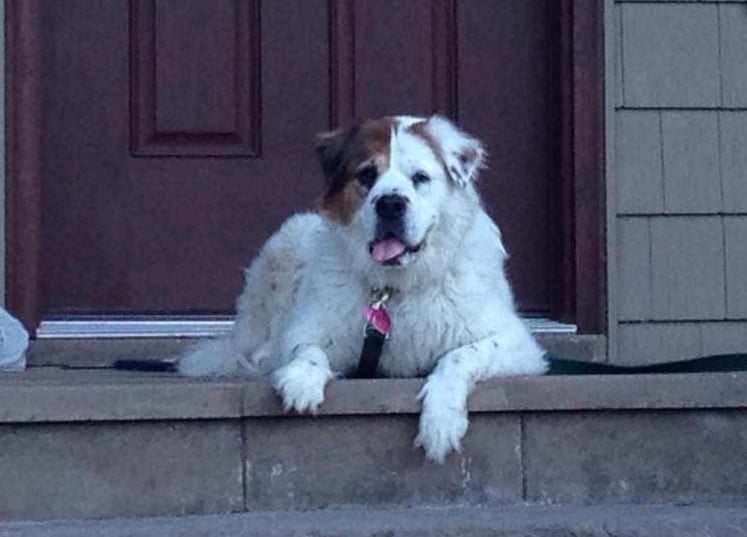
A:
[401,214]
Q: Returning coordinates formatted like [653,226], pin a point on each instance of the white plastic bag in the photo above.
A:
[14,340]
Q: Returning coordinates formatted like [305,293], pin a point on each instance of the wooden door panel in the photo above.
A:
[515,111]
[391,57]
[83,155]
[206,217]
[195,77]
[148,233]
[393,61]
[175,135]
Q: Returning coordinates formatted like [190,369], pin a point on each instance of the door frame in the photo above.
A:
[582,164]
[582,293]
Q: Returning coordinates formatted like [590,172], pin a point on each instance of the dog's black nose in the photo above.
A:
[391,206]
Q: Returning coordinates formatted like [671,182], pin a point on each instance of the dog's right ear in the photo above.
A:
[333,150]
[463,154]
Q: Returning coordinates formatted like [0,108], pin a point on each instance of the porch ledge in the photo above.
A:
[102,352]
[53,395]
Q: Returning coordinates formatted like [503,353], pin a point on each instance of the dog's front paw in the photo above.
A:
[300,384]
[442,427]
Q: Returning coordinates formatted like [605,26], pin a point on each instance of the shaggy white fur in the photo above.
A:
[300,317]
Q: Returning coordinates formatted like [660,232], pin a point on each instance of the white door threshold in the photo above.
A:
[194,328]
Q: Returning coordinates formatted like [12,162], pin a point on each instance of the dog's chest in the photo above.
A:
[423,328]
[425,325]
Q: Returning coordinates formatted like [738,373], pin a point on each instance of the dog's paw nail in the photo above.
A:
[438,458]
[434,453]
[300,386]
[441,432]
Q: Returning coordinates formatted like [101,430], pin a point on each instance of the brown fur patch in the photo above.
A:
[420,129]
[345,151]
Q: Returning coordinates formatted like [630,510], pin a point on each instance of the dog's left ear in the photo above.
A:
[332,151]
[463,155]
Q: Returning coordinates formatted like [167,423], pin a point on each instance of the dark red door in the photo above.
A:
[175,135]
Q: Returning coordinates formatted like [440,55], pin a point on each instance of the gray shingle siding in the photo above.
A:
[732,44]
[670,55]
[639,161]
[680,179]
[692,181]
[687,266]
[734,160]
[648,343]
[634,273]
[722,338]
[735,229]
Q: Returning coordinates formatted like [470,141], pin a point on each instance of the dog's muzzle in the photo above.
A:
[390,245]
[390,215]
[391,208]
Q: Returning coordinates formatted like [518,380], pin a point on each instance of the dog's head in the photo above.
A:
[389,180]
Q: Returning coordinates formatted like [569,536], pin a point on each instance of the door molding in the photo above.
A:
[581,191]
[22,135]
[581,295]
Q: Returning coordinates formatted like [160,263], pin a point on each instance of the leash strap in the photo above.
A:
[376,332]
[166,365]
[373,344]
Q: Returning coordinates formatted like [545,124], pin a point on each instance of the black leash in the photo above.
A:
[167,365]
[376,332]
[373,344]
[708,364]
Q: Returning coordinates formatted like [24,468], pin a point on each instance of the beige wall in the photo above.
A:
[678,179]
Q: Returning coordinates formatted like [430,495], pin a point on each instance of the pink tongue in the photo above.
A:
[387,249]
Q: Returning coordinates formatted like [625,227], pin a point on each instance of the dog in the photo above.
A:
[400,242]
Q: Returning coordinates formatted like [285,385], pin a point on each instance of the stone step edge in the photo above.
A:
[70,396]
[589,521]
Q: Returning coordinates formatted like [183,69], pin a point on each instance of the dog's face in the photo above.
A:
[388,181]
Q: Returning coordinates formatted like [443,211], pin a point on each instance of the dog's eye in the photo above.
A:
[420,177]
[367,176]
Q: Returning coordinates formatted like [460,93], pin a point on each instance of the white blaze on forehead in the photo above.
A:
[408,151]
[406,121]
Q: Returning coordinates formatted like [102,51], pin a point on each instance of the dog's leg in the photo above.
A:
[443,419]
[301,381]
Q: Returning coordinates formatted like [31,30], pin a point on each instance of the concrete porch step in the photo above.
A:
[538,521]
[101,444]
